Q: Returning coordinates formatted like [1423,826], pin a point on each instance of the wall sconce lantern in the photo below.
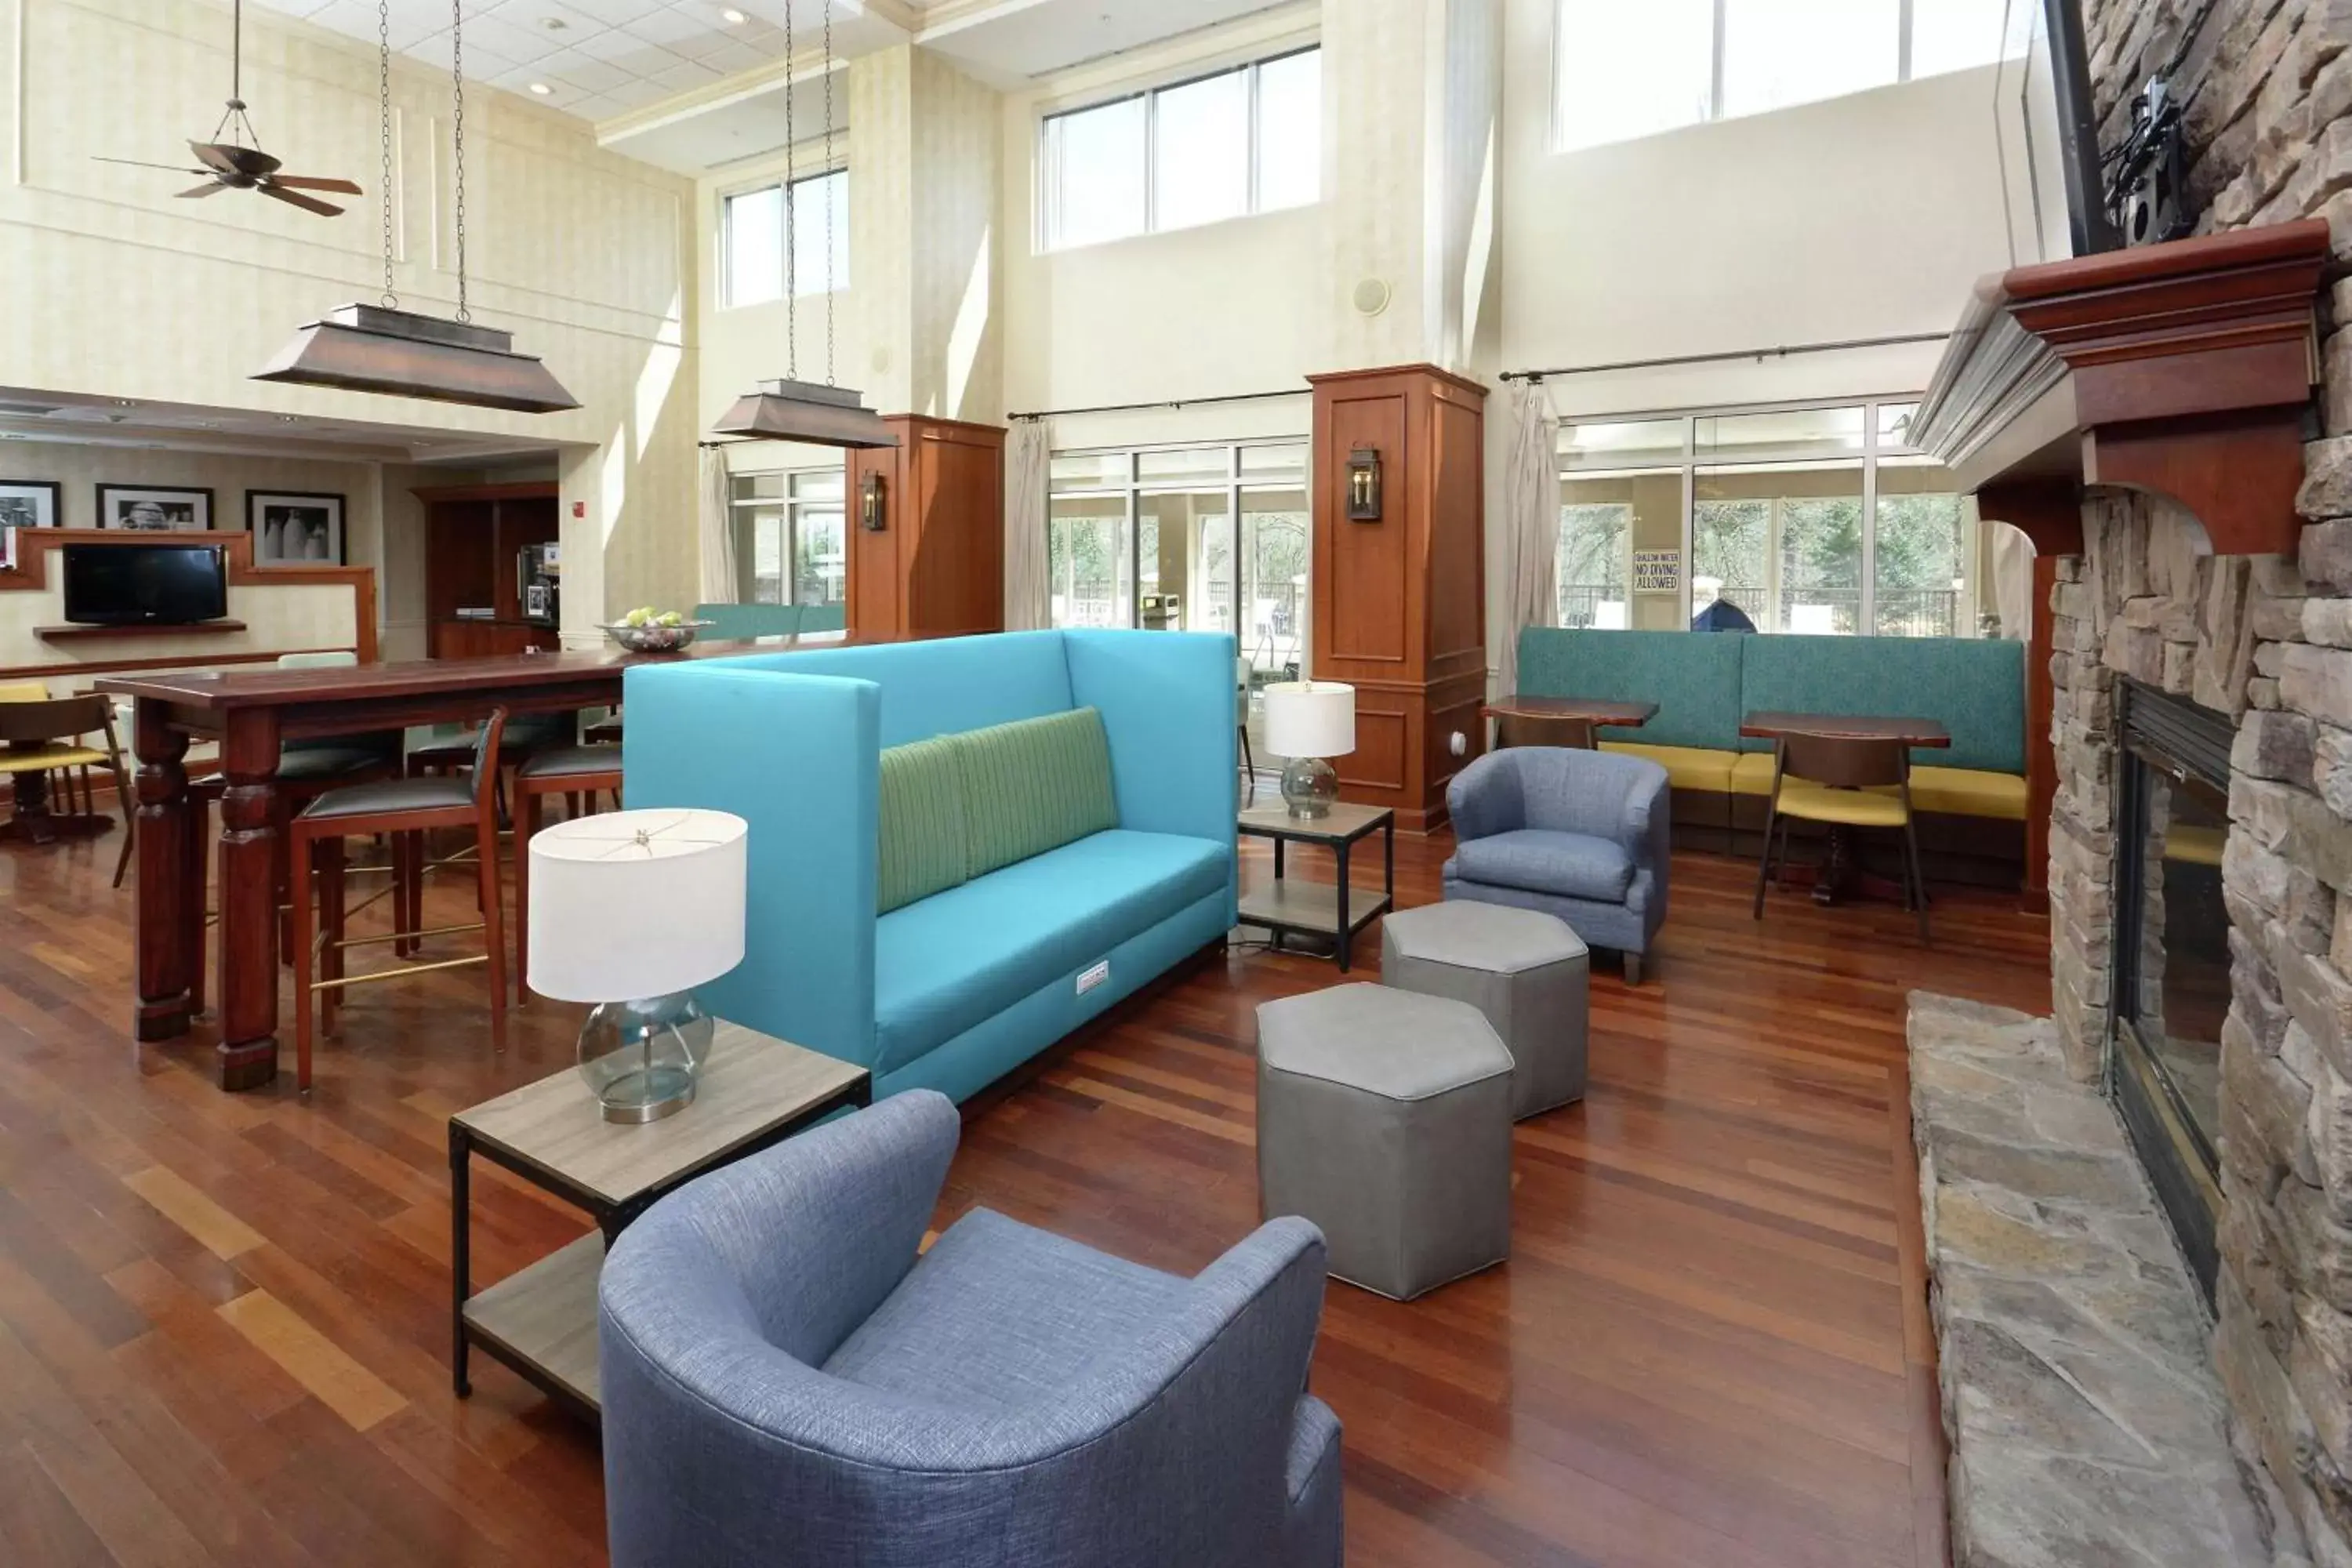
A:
[1364,485]
[871,514]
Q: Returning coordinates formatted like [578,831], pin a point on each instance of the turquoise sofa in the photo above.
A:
[956,989]
[1705,684]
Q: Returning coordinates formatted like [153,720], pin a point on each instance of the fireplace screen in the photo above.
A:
[2172,953]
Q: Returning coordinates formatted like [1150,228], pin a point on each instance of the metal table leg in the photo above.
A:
[460,1253]
[1344,933]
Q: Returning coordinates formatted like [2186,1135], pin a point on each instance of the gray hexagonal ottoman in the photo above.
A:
[1385,1118]
[1525,970]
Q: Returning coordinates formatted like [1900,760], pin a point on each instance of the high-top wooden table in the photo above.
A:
[251,712]
[1598,712]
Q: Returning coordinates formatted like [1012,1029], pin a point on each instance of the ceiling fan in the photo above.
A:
[231,164]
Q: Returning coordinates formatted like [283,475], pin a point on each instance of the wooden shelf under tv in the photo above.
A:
[137,629]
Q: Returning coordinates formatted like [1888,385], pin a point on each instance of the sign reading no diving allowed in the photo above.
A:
[1657,571]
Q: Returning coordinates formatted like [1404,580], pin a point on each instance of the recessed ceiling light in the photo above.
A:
[542,89]
[553,23]
[733,17]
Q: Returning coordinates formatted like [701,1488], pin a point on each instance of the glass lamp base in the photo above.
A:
[642,1057]
[1309,785]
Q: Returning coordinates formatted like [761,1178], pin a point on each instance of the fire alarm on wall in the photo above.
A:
[580,508]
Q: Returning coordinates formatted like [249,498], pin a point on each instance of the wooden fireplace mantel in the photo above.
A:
[2184,369]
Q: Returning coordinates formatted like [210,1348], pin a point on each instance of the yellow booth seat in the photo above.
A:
[1687,767]
[1752,773]
[1969,791]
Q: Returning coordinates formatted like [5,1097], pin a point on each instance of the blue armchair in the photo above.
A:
[1581,834]
[786,1382]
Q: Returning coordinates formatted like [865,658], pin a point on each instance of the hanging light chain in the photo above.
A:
[792,208]
[831,282]
[390,299]
[458,140]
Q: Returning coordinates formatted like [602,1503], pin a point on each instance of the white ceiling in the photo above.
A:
[606,60]
[596,57]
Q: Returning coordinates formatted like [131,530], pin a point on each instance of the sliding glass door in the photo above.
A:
[1204,538]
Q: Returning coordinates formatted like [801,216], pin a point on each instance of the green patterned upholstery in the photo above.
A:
[750,620]
[1693,678]
[1974,688]
[920,819]
[1032,785]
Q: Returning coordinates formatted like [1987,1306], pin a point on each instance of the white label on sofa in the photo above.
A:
[1090,978]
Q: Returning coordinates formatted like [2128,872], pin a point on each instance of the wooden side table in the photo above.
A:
[1305,909]
[754,1091]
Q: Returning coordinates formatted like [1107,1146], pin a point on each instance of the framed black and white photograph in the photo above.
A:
[295,528]
[29,503]
[151,510]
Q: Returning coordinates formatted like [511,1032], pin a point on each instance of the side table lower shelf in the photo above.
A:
[542,1321]
[1288,907]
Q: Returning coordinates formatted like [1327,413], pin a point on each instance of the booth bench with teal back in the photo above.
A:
[1705,683]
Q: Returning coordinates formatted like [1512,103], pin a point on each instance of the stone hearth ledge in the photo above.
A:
[2085,1423]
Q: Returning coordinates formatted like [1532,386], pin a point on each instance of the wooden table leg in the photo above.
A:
[30,819]
[248,900]
[163,1006]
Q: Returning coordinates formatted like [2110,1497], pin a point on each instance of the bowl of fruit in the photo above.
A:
[648,630]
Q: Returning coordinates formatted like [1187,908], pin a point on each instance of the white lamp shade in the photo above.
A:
[1310,718]
[635,904]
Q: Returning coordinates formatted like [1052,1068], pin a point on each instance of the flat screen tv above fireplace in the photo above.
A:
[145,585]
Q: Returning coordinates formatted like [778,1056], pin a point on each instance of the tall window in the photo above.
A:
[1247,139]
[790,547]
[751,238]
[1815,521]
[1625,70]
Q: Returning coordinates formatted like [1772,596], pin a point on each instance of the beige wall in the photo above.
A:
[1868,216]
[116,288]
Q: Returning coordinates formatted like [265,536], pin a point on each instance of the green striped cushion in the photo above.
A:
[1033,785]
[922,821]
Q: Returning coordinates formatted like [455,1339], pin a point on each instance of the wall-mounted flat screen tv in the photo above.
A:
[156,585]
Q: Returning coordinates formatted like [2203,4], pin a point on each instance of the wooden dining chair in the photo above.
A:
[577,773]
[44,738]
[1843,783]
[62,785]
[1519,730]
[405,809]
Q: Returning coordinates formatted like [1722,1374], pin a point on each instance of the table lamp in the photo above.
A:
[1306,722]
[631,911]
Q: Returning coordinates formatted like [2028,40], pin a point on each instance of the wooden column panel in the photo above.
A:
[937,567]
[2050,513]
[1399,604]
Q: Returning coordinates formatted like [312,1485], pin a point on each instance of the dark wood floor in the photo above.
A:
[223,1319]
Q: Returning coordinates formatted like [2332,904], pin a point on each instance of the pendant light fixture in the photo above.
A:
[791,409]
[383,348]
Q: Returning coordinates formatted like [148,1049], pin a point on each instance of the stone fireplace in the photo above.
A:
[2175,432]
[2242,1113]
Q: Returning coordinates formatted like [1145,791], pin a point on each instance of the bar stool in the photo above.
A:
[406,809]
[568,771]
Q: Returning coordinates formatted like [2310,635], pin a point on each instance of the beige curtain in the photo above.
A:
[1529,519]
[1028,605]
[720,584]
[2012,582]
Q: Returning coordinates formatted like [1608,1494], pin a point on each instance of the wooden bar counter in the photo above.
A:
[251,714]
